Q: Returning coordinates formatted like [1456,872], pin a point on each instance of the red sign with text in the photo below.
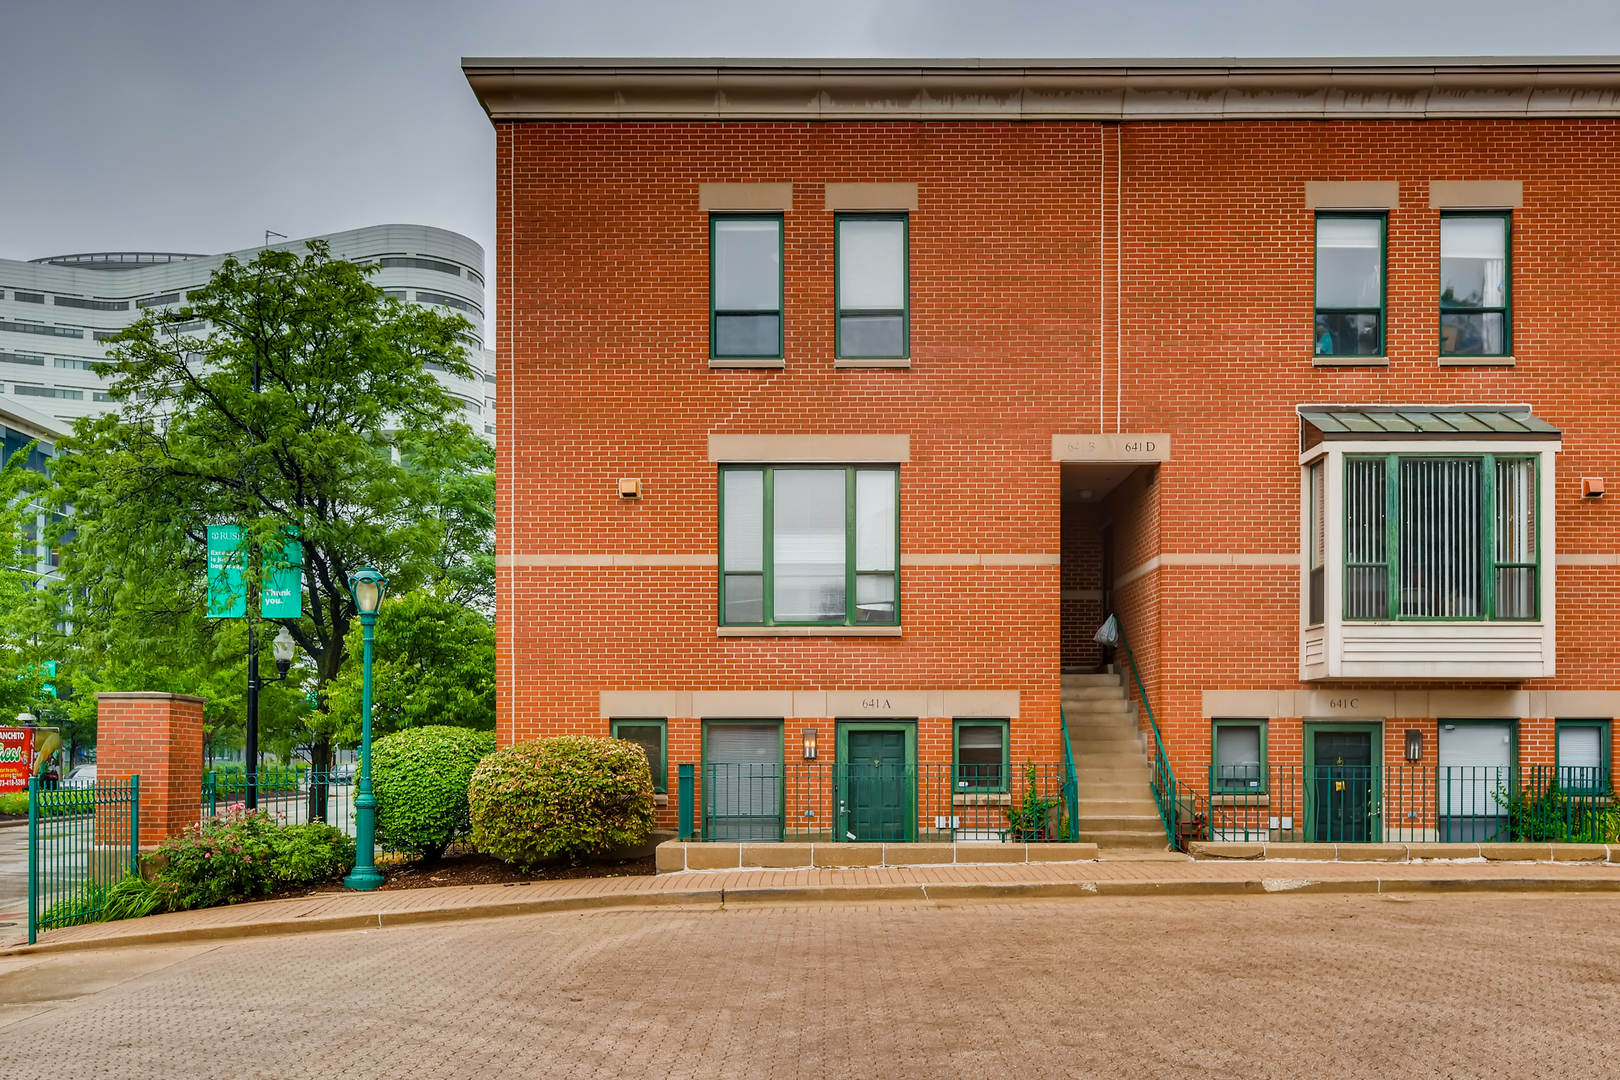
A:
[16,758]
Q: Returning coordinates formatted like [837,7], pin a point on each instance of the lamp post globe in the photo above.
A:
[366,586]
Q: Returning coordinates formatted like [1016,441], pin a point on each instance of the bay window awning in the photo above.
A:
[1333,423]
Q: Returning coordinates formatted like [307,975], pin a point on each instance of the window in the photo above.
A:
[873,284]
[745,286]
[92,305]
[1583,756]
[1440,538]
[22,358]
[1474,285]
[47,391]
[99,396]
[652,735]
[1316,542]
[77,365]
[29,297]
[1238,757]
[157,301]
[420,264]
[809,546]
[48,331]
[1350,285]
[981,755]
[424,297]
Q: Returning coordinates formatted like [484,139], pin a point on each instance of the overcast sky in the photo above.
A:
[195,125]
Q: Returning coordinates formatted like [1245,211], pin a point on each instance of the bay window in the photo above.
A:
[1426,542]
[1440,537]
[807,545]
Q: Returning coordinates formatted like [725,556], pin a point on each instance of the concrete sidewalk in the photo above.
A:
[350,910]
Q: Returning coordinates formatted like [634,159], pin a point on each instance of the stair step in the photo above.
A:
[1141,804]
[1116,789]
[1091,680]
[1122,838]
[1093,693]
[1095,706]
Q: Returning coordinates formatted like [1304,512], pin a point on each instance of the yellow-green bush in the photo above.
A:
[573,796]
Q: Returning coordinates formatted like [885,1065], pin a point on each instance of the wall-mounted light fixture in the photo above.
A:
[630,489]
[1414,744]
[810,744]
[1591,487]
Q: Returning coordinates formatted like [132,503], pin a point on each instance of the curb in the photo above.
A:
[943,892]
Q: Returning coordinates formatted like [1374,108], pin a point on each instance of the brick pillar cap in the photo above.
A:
[148,695]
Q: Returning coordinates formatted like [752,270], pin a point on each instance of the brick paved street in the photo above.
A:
[1365,986]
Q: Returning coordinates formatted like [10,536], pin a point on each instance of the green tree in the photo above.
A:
[289,396]
[434,664]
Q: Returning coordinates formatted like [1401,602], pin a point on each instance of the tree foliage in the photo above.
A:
[433,664]
[349,444]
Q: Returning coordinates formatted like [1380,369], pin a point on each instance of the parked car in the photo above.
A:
[81,776]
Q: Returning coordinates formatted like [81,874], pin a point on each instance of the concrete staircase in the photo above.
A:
[1117,811]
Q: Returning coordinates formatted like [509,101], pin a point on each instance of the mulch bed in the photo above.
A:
[475,869]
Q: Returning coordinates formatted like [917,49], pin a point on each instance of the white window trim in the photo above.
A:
[1322,649]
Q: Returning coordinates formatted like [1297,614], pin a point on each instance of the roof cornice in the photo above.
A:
[936,90]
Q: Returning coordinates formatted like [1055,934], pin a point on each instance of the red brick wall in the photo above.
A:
[160,738]
[602,320]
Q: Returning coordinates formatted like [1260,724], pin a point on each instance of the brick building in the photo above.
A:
[847,399]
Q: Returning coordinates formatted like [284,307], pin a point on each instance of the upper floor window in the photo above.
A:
[809,545]
[1440,537]
[1474,285]
[872,267]
[1350,284]
[745,286]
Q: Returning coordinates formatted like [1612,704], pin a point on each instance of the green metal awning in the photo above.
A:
[1329,423]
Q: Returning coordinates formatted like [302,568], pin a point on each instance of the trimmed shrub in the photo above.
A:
[420,778]
[573,795]
[310,854]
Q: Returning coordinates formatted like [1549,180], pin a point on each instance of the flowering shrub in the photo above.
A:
[242,854]
[568,796]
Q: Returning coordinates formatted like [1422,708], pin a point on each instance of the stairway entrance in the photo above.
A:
[1116,807]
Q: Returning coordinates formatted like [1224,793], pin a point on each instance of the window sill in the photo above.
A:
[1476,361]
[1257,799]
[888,362]
[987,799]
[717,362]
[1350,361]
[808,631]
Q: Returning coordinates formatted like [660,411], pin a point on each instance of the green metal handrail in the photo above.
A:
[1167,792]
[1071,779]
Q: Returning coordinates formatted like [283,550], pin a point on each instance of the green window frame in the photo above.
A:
[867,330]
[980,776]
[766,575]
[1605,748]
[1442,537]
[1476,324]
[619,729]
[1347,325]
[1245,777]
[737,327]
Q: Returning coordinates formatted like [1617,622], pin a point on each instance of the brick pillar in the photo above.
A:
[160,737]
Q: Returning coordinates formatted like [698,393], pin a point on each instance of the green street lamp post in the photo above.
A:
[366,586]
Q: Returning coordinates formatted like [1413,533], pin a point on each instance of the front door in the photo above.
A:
[1342,784]
[875,785]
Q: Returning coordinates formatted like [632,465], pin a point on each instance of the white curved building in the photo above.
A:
[55,312]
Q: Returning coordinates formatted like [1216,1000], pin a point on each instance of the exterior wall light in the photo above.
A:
[1414,744]
[810,744]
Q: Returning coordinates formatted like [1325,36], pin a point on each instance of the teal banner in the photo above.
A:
[283,593]
[227,592]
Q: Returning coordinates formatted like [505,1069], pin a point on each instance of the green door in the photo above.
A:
[1343,782]
[875,787]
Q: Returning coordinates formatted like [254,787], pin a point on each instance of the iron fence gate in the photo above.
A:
[81,841]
